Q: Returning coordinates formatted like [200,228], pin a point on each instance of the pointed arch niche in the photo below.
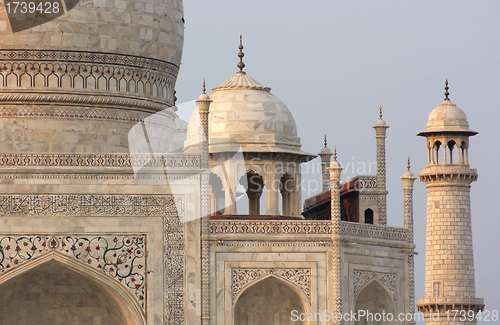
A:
[375,299]
[269,301]
[55,289]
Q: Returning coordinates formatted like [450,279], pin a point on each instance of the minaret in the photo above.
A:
[204,109]
[325,155]
[335,170]
[449,262]
[380,130]
[408,180]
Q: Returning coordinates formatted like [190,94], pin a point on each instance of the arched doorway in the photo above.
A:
[268,302]
[374,300]
[54,294]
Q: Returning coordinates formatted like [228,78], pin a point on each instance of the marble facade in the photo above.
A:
[104,190]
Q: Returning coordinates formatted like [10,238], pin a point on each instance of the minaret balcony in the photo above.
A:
[442,304]
[448,172]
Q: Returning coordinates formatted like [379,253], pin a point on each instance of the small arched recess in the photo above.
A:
[269,301]
[374,300]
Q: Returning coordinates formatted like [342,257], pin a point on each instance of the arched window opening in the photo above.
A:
[369,216]
[465,154]
[253,186]
[451,146]
[216,193]
[287,190]
[268,302]
[429,154]
[437,145]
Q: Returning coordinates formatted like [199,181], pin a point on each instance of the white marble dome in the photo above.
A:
[447,117]
[246,111]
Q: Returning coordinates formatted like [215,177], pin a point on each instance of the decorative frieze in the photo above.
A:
[387,280]
[82,99]
[270,227]
[91,57]
[121,257]
[40,160]
[268,243]
[86,71]
[107,176]
[242,278]
[91,205]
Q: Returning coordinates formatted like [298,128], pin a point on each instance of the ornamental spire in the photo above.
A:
[241,65]
[408,166]
[204,89]
[335,154]
[446,88]
[325,141]
[380,111]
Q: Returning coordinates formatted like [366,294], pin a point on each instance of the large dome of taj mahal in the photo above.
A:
[77,84]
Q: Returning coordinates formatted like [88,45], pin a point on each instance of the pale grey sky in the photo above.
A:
[333,62]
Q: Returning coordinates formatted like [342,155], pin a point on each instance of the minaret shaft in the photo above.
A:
[380,133]
[449,270]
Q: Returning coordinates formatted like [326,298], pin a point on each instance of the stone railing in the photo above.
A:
[306,227]
[372,231]
[367,182]
[450,300]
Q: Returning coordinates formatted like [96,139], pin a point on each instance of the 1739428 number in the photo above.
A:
[32,7]
[464,316]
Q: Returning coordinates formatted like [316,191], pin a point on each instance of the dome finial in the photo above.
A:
[204,89]
[335,154]
[241,65]
[325,141]
[446,88]
[408,166]
[380,111]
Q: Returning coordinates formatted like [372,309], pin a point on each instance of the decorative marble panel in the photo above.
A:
[122,257]
[388,281]
[241,278]
[174,264]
